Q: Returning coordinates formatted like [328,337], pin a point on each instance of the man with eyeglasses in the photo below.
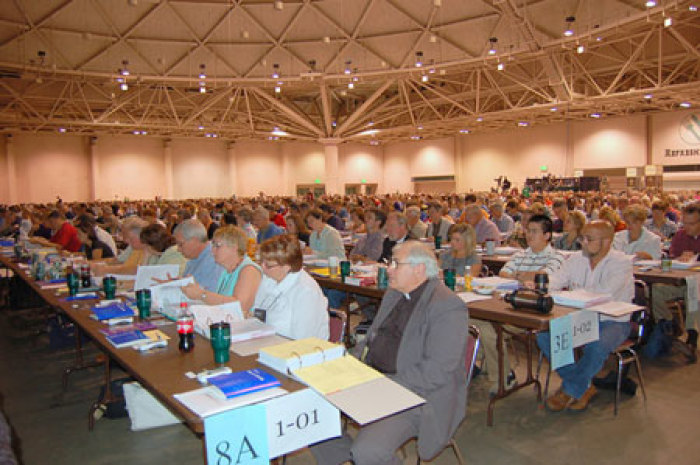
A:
[539,256]
[595,268]
[419,340]
[192,242]
[685,247]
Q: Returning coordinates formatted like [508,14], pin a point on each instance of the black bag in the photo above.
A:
[62,332]
[660,339]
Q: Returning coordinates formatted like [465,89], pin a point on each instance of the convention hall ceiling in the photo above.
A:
[370,71]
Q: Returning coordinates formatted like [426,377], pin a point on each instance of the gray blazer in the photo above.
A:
[431,361]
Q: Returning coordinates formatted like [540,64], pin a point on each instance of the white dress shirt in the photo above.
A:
[613,276]
[295,306]
[107,239]
[647,242]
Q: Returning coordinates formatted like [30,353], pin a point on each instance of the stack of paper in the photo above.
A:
[113,310]
[496,282]
[205,315]
[127,338]
[616,308]
[579,298]
[506,250]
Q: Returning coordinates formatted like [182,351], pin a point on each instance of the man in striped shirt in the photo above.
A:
[539,256]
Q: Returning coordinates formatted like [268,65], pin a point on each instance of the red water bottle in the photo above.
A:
[185,329]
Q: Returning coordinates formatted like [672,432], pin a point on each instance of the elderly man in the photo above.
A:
[418,339]
[439,222]
[415,226]
[369,248]
[598,269]
[128,261]
[396,233]
[684,247]
[486,230]
[192,242]
[502,220]
[266,228]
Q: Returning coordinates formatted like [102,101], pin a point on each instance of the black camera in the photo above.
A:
[530,299]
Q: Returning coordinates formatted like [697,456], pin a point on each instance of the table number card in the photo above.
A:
[237,437]
[584,326]
[561,342]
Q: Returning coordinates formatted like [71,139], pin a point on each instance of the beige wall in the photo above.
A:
[518,154]
[134,166]
[609,143]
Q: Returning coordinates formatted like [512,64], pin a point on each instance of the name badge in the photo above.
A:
[260,314]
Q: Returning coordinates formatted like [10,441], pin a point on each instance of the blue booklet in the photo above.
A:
[243,382]
[114,310]
[127,338]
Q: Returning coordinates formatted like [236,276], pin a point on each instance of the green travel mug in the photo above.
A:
[73,280]
[220,341]
[143,302]
[344,269]
[382,278]
[450,277]
[109,286]
[438,242]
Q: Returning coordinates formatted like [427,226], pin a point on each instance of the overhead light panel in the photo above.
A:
[202,71]
[595,115]
[500,67]
[493,41]
[279,5]
[275,71]
[685,104]
[650,4]
[419,59]
[668,21]
[464,131]
[425,78]
[580,49]
[569,31]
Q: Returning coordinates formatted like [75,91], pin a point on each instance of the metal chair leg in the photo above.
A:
[638,365]
[619,380]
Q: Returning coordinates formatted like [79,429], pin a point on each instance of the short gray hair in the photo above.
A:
[413,211]
[418,253]
[192,229]
[134,225]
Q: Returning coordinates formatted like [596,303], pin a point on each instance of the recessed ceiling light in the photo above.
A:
[648,96]
[668,21]
[685,104]
[61,130]
[553,109]
[523,124]
[650,4]
[414,137]
[692,8]
[580,49]
[479,119]
[464,131]
[500,67]
[595,115]
[425,78]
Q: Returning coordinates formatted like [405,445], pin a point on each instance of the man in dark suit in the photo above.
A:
[419,340]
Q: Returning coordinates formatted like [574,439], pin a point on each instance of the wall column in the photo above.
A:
[11,169]
[168,167]
[458,150]
[569,156]
[232,157]
[286,188]
[94,167]
[330,148]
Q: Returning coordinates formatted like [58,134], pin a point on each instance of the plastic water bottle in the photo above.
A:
[185,329]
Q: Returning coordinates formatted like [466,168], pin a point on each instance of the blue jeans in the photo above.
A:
[576,377]
[336,298]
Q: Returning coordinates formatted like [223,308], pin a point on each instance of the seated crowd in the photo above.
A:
[417,334]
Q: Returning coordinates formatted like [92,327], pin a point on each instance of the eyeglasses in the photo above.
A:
[216,245]
[590,239]
[393,264]
[269,265]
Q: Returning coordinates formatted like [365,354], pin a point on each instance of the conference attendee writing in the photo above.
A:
[288,298]
[65,236]
[192,241]
[596,268]
[241,277]
[160,248]
[418,339]
[369,248]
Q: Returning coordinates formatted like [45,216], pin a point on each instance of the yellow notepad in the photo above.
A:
[336,375]
[156,335]
[298,348]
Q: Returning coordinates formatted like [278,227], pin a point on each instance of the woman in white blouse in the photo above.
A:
[290,299]
[636,239]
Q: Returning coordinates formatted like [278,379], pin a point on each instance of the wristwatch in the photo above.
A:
[204,296]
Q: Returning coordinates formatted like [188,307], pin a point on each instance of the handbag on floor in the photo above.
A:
[145,411]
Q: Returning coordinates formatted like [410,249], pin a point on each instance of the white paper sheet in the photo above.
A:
[145,275]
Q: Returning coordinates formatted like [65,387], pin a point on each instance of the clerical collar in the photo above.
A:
[415,293]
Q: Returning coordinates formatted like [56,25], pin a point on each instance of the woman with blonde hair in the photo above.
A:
[462,251]
[241,276]
[608,214]
[571,238]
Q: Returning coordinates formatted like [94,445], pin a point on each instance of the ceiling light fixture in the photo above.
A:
[464,131]
[523,124]
[569,31]
[347,67]
[492,47]
[580,49]
[415,137]
[500,67]
[62,130]
[685,104]
[124,71]
[668,21]
[650,4]
[276,71]
[648,96]
[351,85]
[279,5]
[479,119]
[124,86]
[595,115]
[424,78]
[374,142]
[278,89]
[202,74]
[553,109]
[692,8]
[419,59]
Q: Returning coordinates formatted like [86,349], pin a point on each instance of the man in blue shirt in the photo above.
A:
[266,228]
[192,242]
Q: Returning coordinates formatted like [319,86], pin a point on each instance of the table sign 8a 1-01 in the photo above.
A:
[256,433]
